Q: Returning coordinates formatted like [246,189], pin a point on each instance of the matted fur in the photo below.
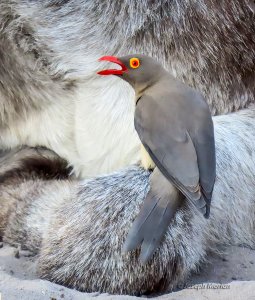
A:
[50,93]
[78,234]
[51,97]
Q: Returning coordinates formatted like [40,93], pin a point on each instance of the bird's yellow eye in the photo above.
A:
[134,63]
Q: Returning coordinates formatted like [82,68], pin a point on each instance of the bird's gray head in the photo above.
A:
[138,70]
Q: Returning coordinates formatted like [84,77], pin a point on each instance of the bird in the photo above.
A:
[175,127]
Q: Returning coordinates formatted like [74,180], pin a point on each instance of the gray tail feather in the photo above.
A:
[208,208]
[203,204]
[151,224]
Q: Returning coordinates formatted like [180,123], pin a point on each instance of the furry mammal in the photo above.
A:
[48,52]
[79,233]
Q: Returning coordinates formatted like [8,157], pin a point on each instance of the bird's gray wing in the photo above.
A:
[204,143]
[183,150]
[169,145]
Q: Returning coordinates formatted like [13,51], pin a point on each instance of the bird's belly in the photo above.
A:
[146,161]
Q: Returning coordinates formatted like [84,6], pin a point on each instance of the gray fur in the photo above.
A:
[208,45]
[79,233]
[78,227]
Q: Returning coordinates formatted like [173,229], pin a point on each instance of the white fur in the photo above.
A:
[94,130]
[104,125]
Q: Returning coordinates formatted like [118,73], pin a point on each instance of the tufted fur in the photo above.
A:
[78,234]
[48,56]
[51,97]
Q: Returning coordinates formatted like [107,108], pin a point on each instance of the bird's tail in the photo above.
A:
[207,207]
[203,204]
[153,220]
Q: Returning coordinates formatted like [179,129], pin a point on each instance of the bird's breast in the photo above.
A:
[146,161]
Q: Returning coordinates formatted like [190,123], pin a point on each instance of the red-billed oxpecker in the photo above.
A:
[175,126]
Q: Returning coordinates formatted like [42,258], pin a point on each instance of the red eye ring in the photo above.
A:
[134,62]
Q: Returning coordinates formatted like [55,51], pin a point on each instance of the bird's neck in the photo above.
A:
[142,88]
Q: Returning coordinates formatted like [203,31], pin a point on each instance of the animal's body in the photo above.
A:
[48,71]
[48,57]
[175,126]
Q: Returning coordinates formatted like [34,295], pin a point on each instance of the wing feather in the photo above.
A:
[186,158]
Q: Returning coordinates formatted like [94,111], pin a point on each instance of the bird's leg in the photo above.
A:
[146,162]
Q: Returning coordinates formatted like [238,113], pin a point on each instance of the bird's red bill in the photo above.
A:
[115,60]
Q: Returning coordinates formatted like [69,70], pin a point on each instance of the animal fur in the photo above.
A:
[79,233]
[50,93]
[51,97]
